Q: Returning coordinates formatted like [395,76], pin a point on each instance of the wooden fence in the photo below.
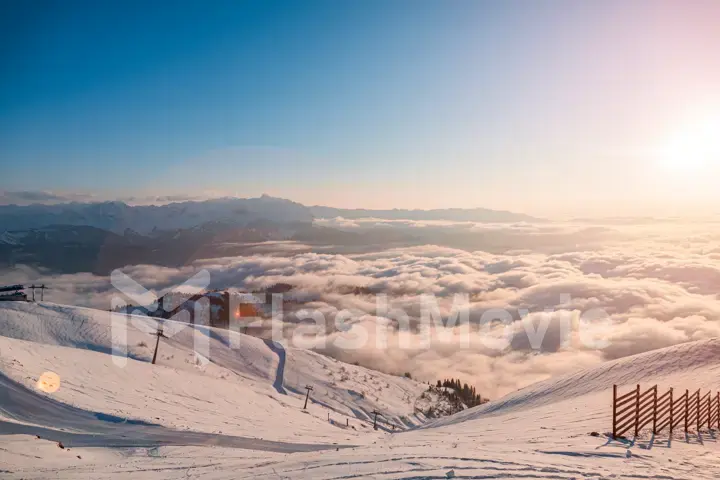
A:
[636,410]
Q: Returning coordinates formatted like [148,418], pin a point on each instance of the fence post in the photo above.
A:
[159,333]
[697,419]
[709,409]
[718,410]
[614,411]
[637,410]
[671,411]
[687,407]
[655,410]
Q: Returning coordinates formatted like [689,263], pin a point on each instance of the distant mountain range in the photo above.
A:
[98,237]
[118,217]
[447,214]
[82,248]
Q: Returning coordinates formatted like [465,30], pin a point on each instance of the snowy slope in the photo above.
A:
[341,389]
[542,432]
[677,366]
[173,398]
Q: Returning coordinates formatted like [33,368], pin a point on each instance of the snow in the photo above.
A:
[230,419]
[344,390]
[14,238]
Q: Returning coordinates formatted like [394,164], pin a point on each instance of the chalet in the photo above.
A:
[13,293]
[220,306]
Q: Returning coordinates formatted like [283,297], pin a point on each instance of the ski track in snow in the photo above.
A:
[240,416]
[280,372]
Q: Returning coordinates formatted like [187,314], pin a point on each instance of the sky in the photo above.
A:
[536,106]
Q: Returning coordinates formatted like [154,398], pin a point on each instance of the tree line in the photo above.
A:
[465,393]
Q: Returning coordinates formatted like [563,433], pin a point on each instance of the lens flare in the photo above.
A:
[49,382]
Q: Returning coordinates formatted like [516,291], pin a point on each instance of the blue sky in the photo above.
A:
[350,103]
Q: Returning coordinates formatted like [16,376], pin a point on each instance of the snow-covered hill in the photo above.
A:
[228,419]
[340,389]
[555,429]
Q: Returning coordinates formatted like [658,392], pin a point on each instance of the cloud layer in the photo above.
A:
[657,283]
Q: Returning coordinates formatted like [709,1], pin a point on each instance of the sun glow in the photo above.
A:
[49,382]
[694,147]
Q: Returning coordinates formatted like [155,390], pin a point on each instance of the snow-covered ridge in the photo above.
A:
[671,366]
[556,429]
[348,390]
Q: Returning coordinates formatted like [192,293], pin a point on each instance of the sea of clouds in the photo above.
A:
[657,281]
